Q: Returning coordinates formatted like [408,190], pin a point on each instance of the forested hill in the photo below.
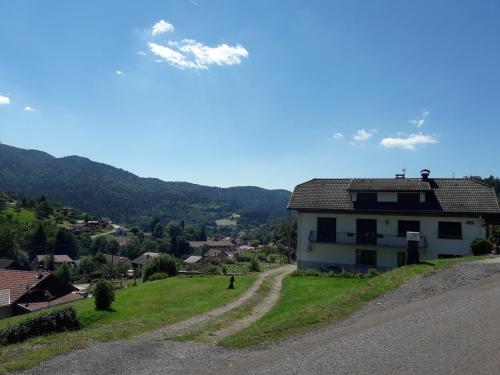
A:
[106,191]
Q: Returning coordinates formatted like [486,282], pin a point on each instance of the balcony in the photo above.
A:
[360,238]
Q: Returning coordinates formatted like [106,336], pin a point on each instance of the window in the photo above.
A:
[366,231]
[451,230]
[409,197]
[366,257]
[327,229]
[367,197]
[407,226]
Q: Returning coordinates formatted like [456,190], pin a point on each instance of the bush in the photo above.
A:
[224,269]
[481,246]
[56,320]
[372,272]
[254,265]
[164,263]
[158,276]
[307,272]
[211,269]
[104,294]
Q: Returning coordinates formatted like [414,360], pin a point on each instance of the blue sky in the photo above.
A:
[267,93]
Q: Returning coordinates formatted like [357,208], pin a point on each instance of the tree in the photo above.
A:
[63,272]
[153,223]
[113,247]
[44,209]
[38,241]
[65,243]
[164,263]
[99,245]
[48,262]
[158,231]
[104,295]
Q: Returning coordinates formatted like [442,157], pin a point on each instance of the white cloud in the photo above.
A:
[141,53]
[29,109]
[410,142]
[338,136]
[119,72]
[4,100]
[421,120]
[362,135]
[190,54]
[162,27]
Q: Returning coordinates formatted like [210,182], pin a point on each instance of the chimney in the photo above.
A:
[425,174]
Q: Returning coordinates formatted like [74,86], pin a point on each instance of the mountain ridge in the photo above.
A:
[105,190]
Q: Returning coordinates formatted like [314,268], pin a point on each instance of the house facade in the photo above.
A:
[363,223]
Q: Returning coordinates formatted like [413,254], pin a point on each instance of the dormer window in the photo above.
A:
[409,197]
[367,197]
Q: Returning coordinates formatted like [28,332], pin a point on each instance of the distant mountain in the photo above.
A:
[103,190]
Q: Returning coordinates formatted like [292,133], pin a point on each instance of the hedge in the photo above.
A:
[57,320]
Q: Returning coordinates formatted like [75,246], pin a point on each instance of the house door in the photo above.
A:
[366,231]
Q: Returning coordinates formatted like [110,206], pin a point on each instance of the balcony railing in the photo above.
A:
[362,238]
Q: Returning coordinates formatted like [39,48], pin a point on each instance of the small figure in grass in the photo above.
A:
[231,282]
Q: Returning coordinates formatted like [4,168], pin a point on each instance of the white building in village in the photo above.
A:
[362,223]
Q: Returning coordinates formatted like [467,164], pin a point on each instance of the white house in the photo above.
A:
[362,223]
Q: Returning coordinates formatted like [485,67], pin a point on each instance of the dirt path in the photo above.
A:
[261,308]
[198,320]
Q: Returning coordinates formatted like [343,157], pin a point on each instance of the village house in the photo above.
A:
[27,291]
[363,223]
[218,254]
[191,262]
[225,244]
[139,262]
[39,261]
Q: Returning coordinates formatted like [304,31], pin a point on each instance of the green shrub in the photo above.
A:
[56,320]
[211,269]
[224,269]
[481,246]
[104,294]
[230,261]
[372,272]
[158,276]
[308,272]
[254,265]
[164,263]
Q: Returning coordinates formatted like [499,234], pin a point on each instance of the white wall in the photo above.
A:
[386,224]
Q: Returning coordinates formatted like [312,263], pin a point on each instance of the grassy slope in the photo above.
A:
[309,302]
[135,310]
[24,216]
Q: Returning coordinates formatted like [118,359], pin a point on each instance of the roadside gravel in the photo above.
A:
[430,285]
[446,322]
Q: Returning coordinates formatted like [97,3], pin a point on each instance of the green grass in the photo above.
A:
[135,310]
[309,302]
[23,216]
[205,332]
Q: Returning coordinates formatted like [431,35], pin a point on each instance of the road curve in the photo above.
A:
[452,330]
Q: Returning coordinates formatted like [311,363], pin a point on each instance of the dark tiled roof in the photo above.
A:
[388,184]
[445,195]
[115,259]
[211,243]
[5,263]
[19,282]
[58,258]
[146,257]
[35,306]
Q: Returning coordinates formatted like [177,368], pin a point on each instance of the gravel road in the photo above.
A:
[448,322]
